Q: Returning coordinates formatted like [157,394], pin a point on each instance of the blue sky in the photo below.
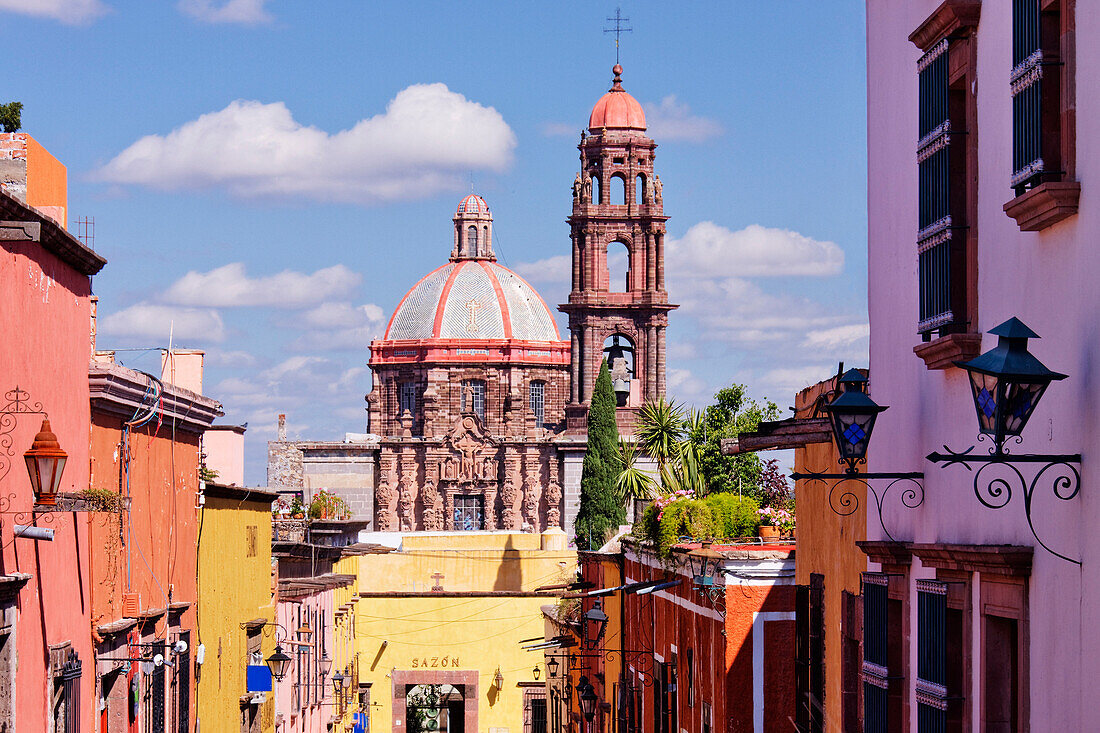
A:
[272,176]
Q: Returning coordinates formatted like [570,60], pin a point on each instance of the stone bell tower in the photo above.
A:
[617,213]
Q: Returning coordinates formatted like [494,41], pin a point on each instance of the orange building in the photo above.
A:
[145,458]
[33,176]
[707,642]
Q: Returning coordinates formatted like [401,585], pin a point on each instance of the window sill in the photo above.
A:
[946,350]
[1044,205]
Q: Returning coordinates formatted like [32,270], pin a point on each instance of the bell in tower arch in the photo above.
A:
[620,362]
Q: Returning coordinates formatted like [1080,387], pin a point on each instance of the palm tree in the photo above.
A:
[660,429]
[633,482]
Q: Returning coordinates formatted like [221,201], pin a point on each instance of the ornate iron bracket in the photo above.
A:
[846,502]
[1060,469]
[17,402]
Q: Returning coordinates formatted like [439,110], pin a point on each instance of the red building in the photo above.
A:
[700,642]
[46,302]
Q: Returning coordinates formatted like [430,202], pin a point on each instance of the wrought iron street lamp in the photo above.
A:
[587,698]
[595,622]
[852,418]
[45,462]
[324,664]
[1006,384]
[535,672]
[498,680]
[278,663]
[337,683]
[552,667]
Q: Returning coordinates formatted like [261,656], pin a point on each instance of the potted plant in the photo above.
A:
[775,523]
[296,509]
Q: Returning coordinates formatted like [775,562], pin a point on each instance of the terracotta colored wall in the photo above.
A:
[47,183]
[826,543]
[44,342]
[156,554]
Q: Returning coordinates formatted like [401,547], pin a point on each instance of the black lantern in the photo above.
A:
[595,621]
[324,664]
[1007,382]
[337,683]
[588,698]
[552,667]
[45,462]
[535,672]
[852,417]
[278,663]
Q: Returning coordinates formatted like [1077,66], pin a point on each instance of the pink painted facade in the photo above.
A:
[1020,650]
[303,699]
[45,298]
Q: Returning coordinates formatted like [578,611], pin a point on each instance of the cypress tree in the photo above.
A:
[601,511]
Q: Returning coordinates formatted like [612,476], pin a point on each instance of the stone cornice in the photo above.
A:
[948,19]
[119,391]
[1012,560]
[51,235]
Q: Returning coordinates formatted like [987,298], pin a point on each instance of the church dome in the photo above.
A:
[617,109]
[473,204]
[472,300]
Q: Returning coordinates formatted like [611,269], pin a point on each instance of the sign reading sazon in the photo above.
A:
[434,662]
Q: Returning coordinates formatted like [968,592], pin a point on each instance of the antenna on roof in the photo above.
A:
[618,30]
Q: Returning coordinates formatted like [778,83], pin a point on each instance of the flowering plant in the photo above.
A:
[281,507]
[662,502]
[780,518]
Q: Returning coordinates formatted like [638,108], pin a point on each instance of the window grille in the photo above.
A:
[407,399]
[183,685]
[69,688]
[537,393]
[469,513]
[875,651]
[534,711]
[934,236]
[473,397]
[156,692]
[931,667]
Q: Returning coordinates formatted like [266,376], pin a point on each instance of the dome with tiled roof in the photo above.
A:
[617,109]
[462,307]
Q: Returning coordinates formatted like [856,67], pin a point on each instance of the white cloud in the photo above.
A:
[340,327]
[245,12]
[673,120]
[73,12]
[785,382]
[556,269]
[425,142]
[218,357]
[850,337]
[710,250]
[685,385]
[230,286]
[149,320]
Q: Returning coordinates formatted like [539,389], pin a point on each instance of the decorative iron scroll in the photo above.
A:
[846,502]
[16,402]
[1059,472]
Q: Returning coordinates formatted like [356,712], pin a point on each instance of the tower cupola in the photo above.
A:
[473,230]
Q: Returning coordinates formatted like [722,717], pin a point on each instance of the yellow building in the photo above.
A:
[439,627]
[235,609]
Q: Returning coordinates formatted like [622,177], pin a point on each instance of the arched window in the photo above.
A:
[618,267]
[618,190]
[471,241]
[596,189]
[473,397]
[537,400]
[639,188]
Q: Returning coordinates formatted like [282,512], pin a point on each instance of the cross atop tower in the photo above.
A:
[618,30]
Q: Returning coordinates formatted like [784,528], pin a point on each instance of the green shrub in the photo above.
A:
[718,516]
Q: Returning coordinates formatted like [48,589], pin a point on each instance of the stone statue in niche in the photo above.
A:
[586,196]
[433,507]
[531,501]
[657,189]
[386,494]
[578,188]
[407,502]
[553,500]
[508,496]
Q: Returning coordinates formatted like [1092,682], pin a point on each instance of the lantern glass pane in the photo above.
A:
[1020,400]
[32,472]
[55,474]
[984,387]
[851,432]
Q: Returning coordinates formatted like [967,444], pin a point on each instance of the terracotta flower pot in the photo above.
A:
[769,532]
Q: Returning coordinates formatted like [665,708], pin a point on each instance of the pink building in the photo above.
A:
[979,130]
[45,299]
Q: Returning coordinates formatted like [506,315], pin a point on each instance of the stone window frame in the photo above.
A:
[1056,196]
[956,21]
[536,400]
